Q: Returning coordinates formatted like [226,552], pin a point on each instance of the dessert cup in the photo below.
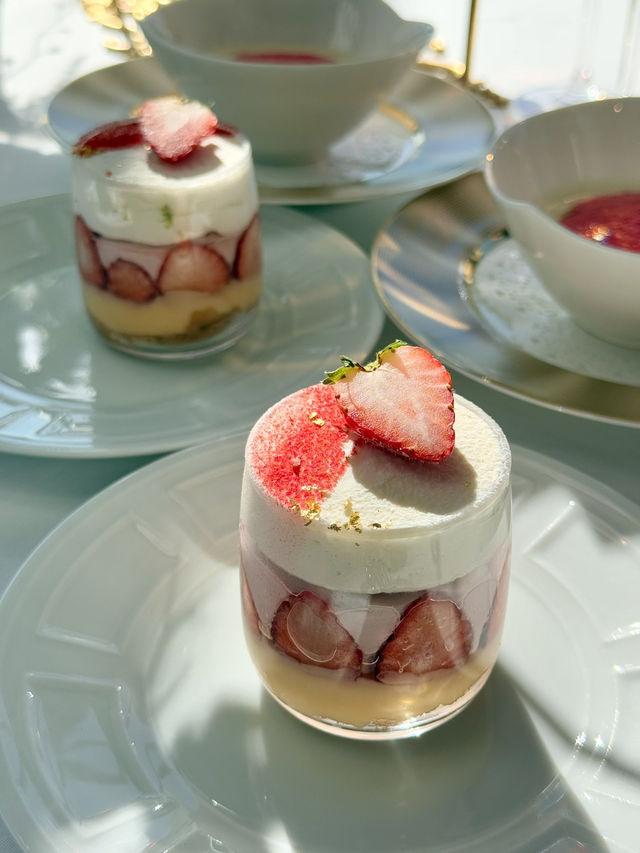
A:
[375,609]
[169,253]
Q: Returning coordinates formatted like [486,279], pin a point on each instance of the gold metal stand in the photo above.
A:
[460,72]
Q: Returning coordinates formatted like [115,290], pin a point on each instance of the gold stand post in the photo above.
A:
[463,76]
[471,34]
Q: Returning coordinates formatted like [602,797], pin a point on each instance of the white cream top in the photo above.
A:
[130,194]
[434,522]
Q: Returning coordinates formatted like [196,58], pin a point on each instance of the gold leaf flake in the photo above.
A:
[354,522]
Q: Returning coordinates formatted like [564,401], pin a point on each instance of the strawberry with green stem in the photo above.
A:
[402,401]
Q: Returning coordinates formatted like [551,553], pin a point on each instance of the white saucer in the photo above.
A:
[452,279]
[130,715]
[430,131]
[65,392]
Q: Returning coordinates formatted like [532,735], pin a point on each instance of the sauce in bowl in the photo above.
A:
[613,220]
[282,57]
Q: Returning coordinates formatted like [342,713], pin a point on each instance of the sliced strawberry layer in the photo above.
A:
[248,260]
[174,127]
[432,635]
[248,606]
[192,266]
[87,256]
[404,403]
[306,629]
[299,452]
[129,281]
[109,137]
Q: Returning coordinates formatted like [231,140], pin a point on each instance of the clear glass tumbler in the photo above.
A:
[379,629]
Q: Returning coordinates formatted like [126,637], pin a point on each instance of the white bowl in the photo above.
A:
[291,112]
[537,171]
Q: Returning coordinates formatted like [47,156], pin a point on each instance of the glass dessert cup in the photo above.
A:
[169,253]
[375,631]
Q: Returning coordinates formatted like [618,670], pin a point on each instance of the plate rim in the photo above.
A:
[449,358]
[23,826]
[374,188]
[25,446]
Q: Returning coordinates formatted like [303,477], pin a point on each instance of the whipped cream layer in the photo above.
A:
[130,194]
[355,518]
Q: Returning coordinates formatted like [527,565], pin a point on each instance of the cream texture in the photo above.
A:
[437,522]
[130,194]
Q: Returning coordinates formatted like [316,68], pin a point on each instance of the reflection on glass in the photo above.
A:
[32,347]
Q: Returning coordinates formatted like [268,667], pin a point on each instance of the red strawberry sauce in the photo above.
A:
[613,220]
[298,449]
[283,57]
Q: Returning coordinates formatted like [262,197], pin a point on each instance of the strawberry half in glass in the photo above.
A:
[375,537]
[167,230]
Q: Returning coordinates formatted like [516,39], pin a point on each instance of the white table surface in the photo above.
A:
[45,44]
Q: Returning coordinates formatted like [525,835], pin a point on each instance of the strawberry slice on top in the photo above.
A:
[402,401]
[124,133]
[174,127]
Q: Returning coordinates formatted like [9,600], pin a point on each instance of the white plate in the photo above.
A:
[130,714]
[430,131]
[65,392]
[451,278]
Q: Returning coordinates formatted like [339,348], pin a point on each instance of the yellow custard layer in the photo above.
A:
[174,313]
[364,702]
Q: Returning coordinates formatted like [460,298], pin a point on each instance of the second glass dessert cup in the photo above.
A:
[169,252]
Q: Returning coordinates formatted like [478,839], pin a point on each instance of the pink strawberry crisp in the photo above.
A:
[375,544]
[167,229]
